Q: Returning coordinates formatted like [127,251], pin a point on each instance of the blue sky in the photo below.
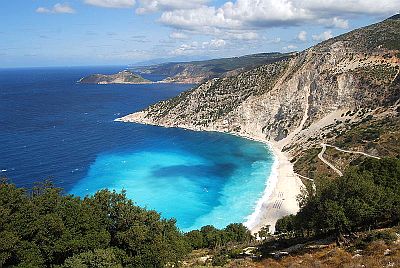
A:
[114,32]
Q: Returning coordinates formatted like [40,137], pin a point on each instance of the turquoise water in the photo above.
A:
[198,184]
[54,128]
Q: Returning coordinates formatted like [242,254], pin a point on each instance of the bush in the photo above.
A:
[211,237]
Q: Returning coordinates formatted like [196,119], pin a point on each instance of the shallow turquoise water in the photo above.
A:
[196,181]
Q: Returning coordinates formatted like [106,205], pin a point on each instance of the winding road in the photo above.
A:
[324,145]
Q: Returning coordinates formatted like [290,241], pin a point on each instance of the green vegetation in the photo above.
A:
[360,212]
[379,135]
[366,197]
[376,136]
[43,228]
[120,77]
[212,238]
[214,68]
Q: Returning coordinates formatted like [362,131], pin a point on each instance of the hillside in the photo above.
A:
[123,77]
[200,71]
[323,94]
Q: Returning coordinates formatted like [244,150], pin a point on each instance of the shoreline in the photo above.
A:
[282,185]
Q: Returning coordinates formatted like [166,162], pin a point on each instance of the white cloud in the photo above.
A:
[276,40]
[335,22]
[351,6]
[253,15]
[214,44]
[57,8]
[302,36]
[185,49]
[111,3]
[203,17]
[239,15]
[289,48]
[323,36]
[63,8]
[178,35]
[43,10]
[195,47]
[147,6]
[242,35]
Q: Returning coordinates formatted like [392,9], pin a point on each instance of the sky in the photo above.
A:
[120,32]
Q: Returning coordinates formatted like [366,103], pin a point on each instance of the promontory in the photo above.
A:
[123,77]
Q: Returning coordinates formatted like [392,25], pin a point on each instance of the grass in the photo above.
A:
[376,248]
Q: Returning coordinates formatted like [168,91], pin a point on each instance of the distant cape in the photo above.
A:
[123,77]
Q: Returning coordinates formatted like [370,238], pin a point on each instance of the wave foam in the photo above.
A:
[270,184]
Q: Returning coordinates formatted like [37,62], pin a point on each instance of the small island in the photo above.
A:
[123,77]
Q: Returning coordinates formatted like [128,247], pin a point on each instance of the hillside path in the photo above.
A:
[324,145]
[320,156]
[351,152]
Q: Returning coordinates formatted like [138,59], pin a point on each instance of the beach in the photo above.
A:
[280,195]
[282,184]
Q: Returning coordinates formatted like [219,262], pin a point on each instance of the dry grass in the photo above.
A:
[377,254]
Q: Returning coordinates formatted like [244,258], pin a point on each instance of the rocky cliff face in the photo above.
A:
[299,101]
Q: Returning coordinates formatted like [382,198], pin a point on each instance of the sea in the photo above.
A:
[53,128]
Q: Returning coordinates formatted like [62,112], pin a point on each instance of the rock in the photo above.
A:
[387,252]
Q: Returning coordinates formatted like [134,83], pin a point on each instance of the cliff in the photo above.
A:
[300,101]
[123,77]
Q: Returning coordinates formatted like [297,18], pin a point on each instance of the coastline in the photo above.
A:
[282,187]
[279,197]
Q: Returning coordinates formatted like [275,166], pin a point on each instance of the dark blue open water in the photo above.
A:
[53,128]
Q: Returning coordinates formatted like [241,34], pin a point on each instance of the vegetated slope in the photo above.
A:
[123,77]
[200,71]
[314,96]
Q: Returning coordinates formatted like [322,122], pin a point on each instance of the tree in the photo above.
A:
[264,232]
[237,232]
[44,228]
[195,239]
[367,196]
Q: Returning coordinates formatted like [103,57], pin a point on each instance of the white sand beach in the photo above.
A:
[280,195]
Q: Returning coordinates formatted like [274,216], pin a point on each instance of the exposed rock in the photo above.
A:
[295,101]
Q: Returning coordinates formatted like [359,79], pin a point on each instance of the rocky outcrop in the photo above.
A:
[298,101]
[123,77]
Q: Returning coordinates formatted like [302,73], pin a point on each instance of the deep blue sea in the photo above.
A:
[54,128]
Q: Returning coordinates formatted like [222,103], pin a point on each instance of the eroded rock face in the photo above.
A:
[293,102]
